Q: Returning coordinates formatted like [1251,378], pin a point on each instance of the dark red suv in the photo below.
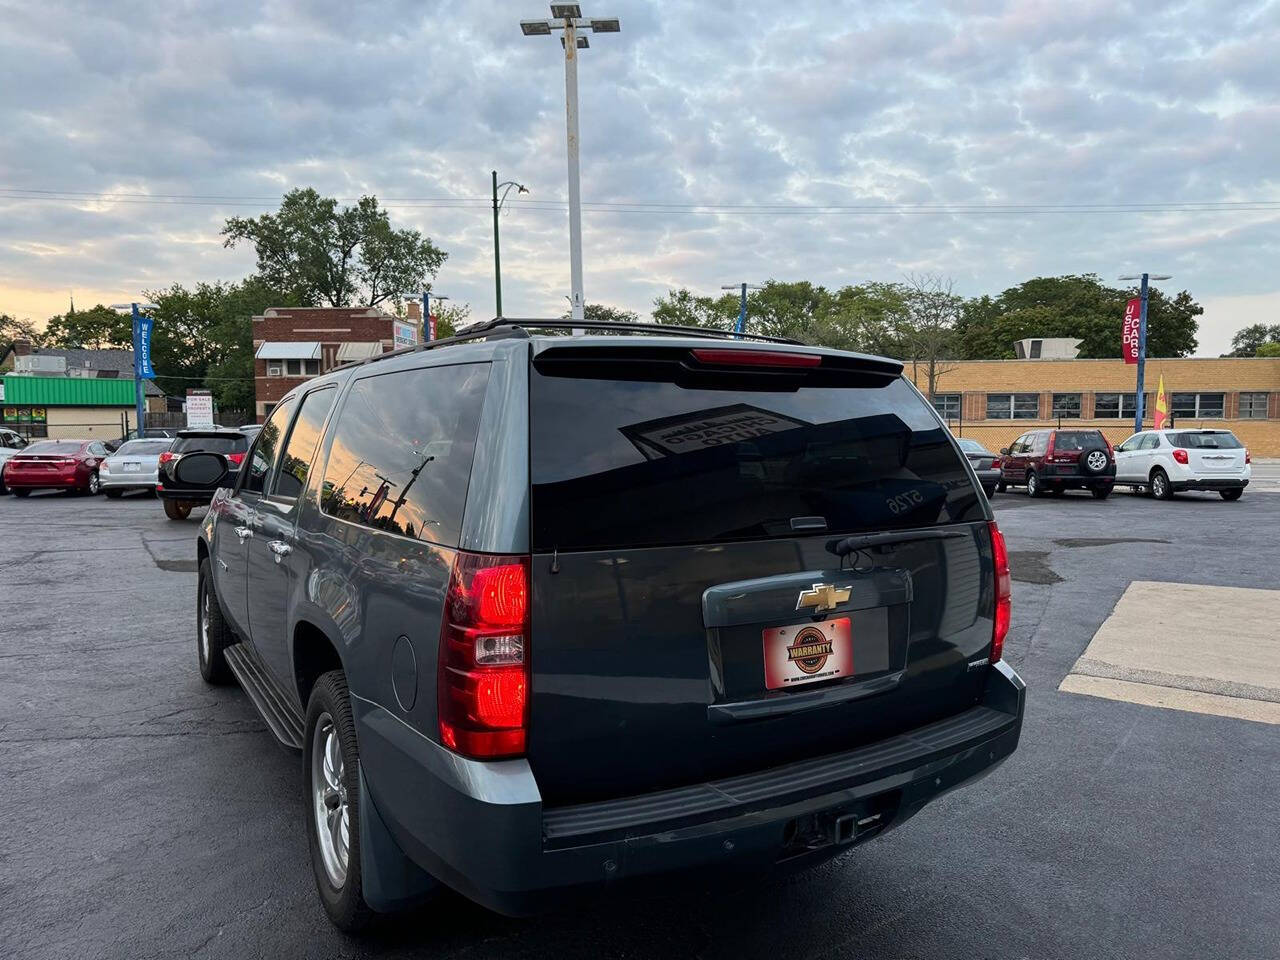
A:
[1056,460]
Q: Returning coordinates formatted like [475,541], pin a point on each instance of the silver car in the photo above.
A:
[133,466]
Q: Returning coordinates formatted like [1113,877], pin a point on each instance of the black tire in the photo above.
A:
[22,493]
[1161,489]
[211,647]
[1034,489]
[1001,487]
[989,491]
[331,703]
[177,509]
[95,485]
[1090,462]
[1231,495]
[113,494]
[1100,493]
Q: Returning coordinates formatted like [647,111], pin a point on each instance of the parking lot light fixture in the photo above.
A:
[567,17]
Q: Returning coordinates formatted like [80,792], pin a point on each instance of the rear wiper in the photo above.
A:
[848,545]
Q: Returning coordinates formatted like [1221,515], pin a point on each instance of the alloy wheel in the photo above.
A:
[329,800]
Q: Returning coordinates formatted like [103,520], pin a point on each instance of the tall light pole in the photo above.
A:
[497,260]
[1138,403]
[741,326]
[568,17]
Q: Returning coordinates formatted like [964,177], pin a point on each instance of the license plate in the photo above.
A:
[807,652]
[132,467]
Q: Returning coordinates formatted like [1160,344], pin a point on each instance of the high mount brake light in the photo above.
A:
[754,358]
[483,677]
[1004,592]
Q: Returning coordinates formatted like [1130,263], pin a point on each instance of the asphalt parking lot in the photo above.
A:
[147,815]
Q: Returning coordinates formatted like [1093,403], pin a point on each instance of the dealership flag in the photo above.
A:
[1162,406]
[1132,330]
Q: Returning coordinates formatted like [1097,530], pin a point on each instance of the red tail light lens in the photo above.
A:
[483,677]
[756,358]
[1048,453]
[1247,458]
[236,458]
[1004,592]
[1181,456]
[166,456]
[995,462]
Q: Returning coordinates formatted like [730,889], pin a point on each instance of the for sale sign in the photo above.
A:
[1132,330]
[199,409]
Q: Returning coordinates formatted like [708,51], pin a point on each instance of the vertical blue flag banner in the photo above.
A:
[142,363]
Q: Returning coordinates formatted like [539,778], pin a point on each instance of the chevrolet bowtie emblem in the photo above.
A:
[822,596]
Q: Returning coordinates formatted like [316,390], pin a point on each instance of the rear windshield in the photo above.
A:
[54,448]
[1078,440]
[971,446]
[235,444]
[144,448]
[645,463]
[1217,440]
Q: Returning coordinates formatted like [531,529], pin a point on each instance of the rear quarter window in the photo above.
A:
[625,463]
[402,449]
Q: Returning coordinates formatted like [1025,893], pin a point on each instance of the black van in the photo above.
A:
[547,613]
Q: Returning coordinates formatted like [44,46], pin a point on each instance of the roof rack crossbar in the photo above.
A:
[509,325]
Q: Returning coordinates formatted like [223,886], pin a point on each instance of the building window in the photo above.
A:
[1118,406]
[1066,405]
[293,368]
[1253,406]
[311,368]
[948,405]
[1013,406]
[1199,406]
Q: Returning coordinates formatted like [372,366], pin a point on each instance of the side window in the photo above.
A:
[1039,442]
[98,450]
[1153,442]
[300,448]
[263,456]
[1133,443]
[1019,445]
[402,448]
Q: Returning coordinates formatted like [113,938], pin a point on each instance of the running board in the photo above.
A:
[282,716]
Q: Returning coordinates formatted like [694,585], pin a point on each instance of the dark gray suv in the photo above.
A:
[548,613]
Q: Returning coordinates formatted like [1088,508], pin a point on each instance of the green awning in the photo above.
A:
[28,391]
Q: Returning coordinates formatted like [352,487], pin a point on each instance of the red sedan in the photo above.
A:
[55,465]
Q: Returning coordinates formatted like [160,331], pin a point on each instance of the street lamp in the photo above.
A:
[568,17]
[741,326]
[141,355]
[497,260]
[1138,400]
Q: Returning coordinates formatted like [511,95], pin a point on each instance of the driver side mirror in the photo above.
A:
[202,469]
[1004,451]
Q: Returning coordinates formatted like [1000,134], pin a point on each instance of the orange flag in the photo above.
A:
[1162,406]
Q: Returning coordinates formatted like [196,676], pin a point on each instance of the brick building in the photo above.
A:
[995,401]
[293,344]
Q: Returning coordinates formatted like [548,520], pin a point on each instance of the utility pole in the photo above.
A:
[497,260]
[568,17]
[741,327]
[1138,400]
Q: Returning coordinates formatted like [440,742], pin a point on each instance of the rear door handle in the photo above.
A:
[280,549]
[243,533]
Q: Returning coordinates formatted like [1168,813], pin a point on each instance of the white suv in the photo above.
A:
[10,443]
[1164,462]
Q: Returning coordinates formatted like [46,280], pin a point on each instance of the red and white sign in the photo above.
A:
[807,652]
[431,327]
[1132,330]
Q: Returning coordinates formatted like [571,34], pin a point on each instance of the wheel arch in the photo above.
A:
[314,654]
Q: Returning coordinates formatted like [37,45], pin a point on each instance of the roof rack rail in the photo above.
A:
[502,327]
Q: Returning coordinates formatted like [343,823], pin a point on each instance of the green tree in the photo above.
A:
[1270,349]
[926,328]
[1080,307]
[1251,339]
[320,253]
[98,328]
[11,329]
[683,308]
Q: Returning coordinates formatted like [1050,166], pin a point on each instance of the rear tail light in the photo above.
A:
[1247,458]
[1181,456]
[166,456]
[755,358]
[1048,453]
[236,458]
[1111,453]
[483,676]
[995,462]
[1004,592]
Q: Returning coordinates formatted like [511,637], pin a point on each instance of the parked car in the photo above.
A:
[1054,461]
[70,465]
[1164,462]
[134,466]
[179,497]
[749,610]
[985,464]
[153,433]
[10,443]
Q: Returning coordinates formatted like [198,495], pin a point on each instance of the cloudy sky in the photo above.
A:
[987,141]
